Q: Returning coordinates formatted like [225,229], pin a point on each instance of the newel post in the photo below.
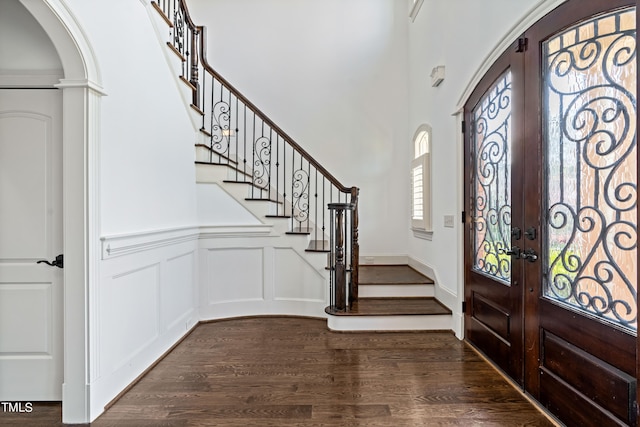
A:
[355,247]
[340,227]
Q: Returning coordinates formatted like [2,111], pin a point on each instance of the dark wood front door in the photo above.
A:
[564,320]
[493,284]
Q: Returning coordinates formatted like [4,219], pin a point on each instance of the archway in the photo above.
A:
[81,105]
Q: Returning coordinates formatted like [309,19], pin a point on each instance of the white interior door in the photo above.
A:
[31,340]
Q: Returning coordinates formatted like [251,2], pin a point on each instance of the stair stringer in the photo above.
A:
[262,209]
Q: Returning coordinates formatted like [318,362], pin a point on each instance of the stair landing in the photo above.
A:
[392,297]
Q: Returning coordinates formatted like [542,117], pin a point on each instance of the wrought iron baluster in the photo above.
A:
[278,174]
[270,159]
[244,138]
[204,102]
[293,162]
[315,225]
[237,113]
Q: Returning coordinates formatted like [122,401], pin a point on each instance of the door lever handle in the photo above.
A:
[58,262]
[514,251]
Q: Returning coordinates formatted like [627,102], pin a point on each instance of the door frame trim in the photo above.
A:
[82,92]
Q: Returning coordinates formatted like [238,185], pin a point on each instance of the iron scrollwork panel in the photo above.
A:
[491,181]
[220,127]
[589,128]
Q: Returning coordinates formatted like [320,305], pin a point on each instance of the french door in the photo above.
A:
[551,236]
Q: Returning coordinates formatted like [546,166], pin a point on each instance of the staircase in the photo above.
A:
[392,298]
[241,150]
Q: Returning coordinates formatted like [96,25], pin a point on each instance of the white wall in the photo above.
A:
[332,74]
[147,172]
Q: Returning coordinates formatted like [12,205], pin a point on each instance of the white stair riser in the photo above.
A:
[210,174]
[443,322]
[372,291]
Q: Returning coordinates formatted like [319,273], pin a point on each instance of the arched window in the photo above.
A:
[421,180]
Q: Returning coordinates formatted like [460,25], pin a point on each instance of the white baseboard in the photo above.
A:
[383,259]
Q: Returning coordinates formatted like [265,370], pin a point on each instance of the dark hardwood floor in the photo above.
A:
[294,372]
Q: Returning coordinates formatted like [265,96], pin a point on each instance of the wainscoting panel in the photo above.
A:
[235,275]
[146,301]
[296,279]
[177,293]
[260,275]
[129,320]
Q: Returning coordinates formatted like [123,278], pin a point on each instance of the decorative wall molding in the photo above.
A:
[422,234]
[126,244]
[30,78]
[81,83]
[248,230]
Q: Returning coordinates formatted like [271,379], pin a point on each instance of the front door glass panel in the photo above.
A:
[589,129]
[491,181]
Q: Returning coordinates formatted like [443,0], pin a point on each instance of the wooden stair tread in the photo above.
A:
[231,181]
[263,199]
[422,306]
[391,275]
[197,109]
[230,162]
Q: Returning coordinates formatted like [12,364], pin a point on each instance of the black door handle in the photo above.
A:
[58,262]
[514,251]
